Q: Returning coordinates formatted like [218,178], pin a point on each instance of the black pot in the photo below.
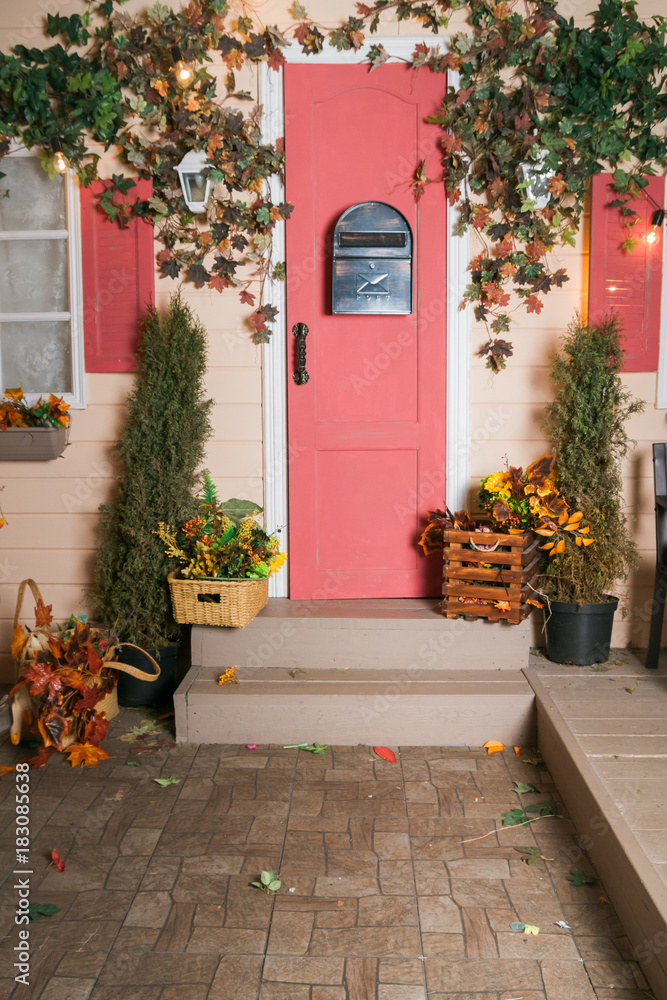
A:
[132,692]
[579,634]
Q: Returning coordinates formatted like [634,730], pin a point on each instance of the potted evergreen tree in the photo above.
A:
[586,425]
[161,449]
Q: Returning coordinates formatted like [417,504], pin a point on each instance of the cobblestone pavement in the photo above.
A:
[390,888]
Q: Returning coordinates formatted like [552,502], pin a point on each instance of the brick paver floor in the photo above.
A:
[390,888]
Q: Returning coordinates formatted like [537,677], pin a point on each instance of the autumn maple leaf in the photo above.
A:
[534,305]
[18,641]
[276,59]
[40,677]
[86,754]
[89,698]
[43,614]
[95,729]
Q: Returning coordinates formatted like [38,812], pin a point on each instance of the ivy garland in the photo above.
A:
[535,89]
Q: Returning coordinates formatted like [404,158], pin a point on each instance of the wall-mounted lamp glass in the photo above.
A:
[59,160]
[657,220]
[195,181]
[182,71]
[537,178]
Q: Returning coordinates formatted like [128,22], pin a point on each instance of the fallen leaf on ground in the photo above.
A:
[251,746]
[38,910]
[531,929]
[86,754]
[517,751]
[581,878]
[165,782]
[57,861]
[524,787]
[517,925]
[629,690]
[386,754]
[315,747]
[131,763]
[268,883]
[297,671]
[561,923]
[493,746]
[530,854]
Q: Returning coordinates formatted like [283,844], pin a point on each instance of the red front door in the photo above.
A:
[367,431]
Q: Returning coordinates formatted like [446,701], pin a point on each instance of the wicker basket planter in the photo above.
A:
[505,574]
[216,602]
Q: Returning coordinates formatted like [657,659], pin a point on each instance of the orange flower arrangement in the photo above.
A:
[15,412]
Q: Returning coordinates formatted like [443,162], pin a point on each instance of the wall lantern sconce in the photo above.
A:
[183,72]
[59,161]
[657,220]
[537,179]
[195,181]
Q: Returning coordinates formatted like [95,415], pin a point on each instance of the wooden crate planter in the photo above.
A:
[505,574]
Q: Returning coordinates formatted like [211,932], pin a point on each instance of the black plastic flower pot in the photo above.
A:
[579,634]
[133,692]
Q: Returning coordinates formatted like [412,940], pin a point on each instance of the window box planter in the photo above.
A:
[489,569]
[32,444]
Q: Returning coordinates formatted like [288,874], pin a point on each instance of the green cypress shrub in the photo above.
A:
[586,425]
[162,450]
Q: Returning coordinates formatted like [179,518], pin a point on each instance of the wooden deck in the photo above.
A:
[603,733]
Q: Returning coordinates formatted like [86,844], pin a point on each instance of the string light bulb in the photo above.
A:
[657,220]
[59,160]
[183,72]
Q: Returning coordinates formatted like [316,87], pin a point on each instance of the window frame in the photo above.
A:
[72,235]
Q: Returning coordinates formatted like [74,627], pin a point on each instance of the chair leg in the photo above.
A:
[657,616]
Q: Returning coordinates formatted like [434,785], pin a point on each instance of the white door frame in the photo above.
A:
[274,367]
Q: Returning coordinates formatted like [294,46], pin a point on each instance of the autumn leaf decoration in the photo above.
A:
[86,754]
[386,754]
[66,680]
[56,861]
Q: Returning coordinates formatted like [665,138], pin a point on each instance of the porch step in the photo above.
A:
[432,707]
[606,753]
[372,634]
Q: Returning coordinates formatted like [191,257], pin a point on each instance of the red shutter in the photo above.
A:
[627,281]
[118,280]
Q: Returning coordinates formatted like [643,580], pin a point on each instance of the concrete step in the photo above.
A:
[373,634]
[413,707]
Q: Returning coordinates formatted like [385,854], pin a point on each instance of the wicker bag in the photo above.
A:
[23,705]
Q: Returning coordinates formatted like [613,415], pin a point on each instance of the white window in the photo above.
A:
[41,334]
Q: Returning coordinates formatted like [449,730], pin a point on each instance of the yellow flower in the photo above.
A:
[229,676]
[497,483]
[276,562]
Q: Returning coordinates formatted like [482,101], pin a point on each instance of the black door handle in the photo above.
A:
[300,331]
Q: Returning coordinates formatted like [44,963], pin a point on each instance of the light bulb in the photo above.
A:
[59,161]
[183,73]
[652,235]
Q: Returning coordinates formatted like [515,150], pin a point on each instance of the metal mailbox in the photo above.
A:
[372,261]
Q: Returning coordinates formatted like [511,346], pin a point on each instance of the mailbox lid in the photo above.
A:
[372,229]
[375,285]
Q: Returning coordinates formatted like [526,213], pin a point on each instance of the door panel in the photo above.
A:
[367,432]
